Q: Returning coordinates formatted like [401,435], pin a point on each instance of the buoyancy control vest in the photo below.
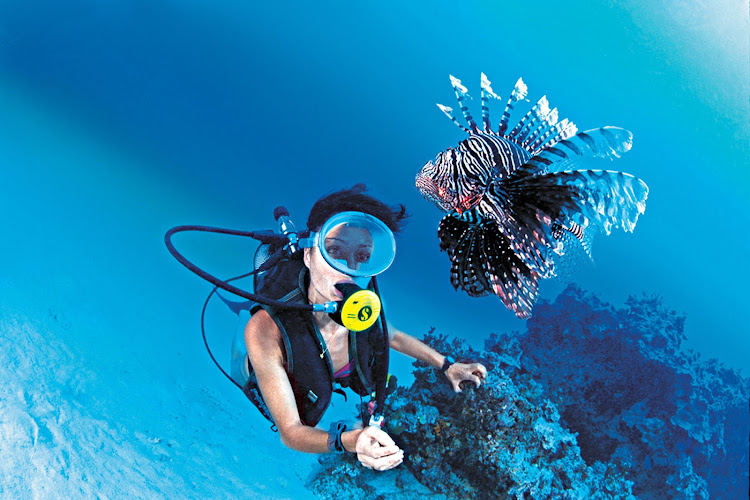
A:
[307,361]
[277,270]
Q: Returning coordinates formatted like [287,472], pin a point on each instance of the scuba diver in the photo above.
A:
[295,356]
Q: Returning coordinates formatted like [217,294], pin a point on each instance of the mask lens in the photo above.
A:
[357,244]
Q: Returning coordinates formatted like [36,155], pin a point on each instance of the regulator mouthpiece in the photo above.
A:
[358,310]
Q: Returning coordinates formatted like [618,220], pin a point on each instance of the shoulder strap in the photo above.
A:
[382,361]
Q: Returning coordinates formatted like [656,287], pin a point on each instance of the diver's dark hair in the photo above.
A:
[354,199]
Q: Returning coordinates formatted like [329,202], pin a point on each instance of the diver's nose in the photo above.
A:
[352,263]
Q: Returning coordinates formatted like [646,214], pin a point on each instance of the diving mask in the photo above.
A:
[355,243]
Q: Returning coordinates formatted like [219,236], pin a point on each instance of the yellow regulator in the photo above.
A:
[358,310]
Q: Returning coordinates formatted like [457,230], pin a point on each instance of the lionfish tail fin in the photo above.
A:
[604,142]
[569,233]
[586,238]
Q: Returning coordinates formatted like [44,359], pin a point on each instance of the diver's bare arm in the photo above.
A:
[411,346]
[374,448]
[456,373]
[264,346]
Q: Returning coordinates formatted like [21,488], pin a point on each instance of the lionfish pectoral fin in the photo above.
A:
[604,142]
[516,205]
[461,239]
[483,262]
[510,278]
[607,198]
[611,199]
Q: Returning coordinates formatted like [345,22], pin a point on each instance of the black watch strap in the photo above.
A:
[334,437]
[447,364]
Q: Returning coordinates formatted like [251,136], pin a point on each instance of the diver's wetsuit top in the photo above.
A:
[308,363]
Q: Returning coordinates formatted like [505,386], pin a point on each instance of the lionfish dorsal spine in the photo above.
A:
[449,113]
[487,92]
[461,93]
[549,121]
[536,115]
[562,130]
[519,92]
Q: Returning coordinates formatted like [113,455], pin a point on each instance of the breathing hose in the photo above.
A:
[265,237]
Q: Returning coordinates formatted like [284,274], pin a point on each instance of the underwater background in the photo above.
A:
[120,119]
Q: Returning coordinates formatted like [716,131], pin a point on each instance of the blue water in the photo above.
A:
[121,119]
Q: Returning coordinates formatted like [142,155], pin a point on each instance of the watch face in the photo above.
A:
[447,363]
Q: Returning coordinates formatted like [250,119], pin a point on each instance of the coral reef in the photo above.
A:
[503,440]
[342,476]
[622,383]
[591,401]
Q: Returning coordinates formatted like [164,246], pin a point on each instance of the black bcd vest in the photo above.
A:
[308,363]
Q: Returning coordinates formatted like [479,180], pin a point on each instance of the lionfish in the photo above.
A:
[515,203]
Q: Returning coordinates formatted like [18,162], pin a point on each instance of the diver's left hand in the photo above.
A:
[471,372]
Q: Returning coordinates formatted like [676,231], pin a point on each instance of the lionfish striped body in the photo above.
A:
[514,201]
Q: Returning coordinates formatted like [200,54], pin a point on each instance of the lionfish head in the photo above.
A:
[439,183]
[435,181]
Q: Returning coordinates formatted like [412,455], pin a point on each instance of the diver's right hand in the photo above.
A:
[376,450]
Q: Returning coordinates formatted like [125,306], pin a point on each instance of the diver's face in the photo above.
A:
[351,246]
[323,278]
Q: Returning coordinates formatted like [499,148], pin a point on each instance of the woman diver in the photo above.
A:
[292,353]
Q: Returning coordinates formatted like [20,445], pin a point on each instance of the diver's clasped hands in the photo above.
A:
[376,450]
[465,372]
